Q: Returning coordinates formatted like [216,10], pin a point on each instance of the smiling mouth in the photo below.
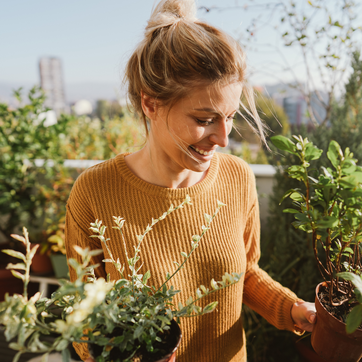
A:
[202,152]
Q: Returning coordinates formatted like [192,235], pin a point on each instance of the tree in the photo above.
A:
[320,34]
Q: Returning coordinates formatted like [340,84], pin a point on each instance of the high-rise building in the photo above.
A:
[295,105]
[51,80]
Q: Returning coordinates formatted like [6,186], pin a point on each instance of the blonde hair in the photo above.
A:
[179,53]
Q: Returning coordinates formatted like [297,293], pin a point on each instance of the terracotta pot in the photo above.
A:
[330,339]
[41,263]
[171,356]
[304,347]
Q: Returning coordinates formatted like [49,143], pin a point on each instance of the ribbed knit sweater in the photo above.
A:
[231,245]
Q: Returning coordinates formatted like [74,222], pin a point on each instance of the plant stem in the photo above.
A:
[27,264]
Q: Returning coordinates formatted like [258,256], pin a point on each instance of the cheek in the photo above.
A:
[191,133]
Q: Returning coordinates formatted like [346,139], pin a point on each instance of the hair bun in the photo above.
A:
[168,12]
[185,9]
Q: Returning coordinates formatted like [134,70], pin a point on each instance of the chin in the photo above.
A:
[199,167]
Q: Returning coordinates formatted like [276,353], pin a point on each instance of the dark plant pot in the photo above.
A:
[60,265]
[169,357]
[41,264]
[330,339]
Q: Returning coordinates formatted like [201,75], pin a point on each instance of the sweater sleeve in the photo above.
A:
[77,224]
[261,293]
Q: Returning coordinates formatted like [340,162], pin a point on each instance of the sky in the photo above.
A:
[95,38]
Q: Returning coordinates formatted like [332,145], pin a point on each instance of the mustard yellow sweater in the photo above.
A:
[231,245]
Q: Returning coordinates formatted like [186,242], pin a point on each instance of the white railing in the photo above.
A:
[264,175]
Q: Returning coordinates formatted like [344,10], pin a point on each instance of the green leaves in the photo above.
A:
[23,140]
[334,153]
[140,311]
[327,222]
[15,254]
[210,307]
[354,278]
[283,143]
[312,152]
[354,319]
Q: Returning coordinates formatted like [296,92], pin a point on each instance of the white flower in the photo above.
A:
[61,326]
[95,294]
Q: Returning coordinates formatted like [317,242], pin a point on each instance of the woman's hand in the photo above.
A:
[304,315]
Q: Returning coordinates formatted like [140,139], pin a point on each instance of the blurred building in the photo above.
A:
[294,103]
[51,81]
[296,110]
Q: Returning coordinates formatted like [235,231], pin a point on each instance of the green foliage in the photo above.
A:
[23,139]
[354,318]
[93,139]
[108,110]
[330,208]
[286,252]
[95,308]
[36,195]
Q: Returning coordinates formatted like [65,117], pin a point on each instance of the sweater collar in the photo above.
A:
[173,194]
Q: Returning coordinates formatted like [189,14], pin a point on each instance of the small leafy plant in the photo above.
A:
[98,309]
[330,209]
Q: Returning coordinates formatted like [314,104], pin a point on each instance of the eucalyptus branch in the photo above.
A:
[155,221]
[194,243]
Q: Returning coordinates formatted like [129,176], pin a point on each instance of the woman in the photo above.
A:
[185,80]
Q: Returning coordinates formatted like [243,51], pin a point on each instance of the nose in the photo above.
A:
[220,133]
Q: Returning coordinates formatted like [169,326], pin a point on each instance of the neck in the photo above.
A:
[155,169]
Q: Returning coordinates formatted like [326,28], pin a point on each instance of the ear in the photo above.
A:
[149,105]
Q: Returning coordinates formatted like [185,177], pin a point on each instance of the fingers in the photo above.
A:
[304,315]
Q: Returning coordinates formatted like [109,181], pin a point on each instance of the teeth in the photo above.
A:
[202,152]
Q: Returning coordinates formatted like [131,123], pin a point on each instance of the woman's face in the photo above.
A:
[200,123]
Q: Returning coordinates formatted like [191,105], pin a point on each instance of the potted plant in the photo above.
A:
[120,319]
[330,209]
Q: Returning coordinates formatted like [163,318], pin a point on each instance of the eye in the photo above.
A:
[204,123]
[231,118]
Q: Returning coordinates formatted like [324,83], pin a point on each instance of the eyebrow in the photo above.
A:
[210,110]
